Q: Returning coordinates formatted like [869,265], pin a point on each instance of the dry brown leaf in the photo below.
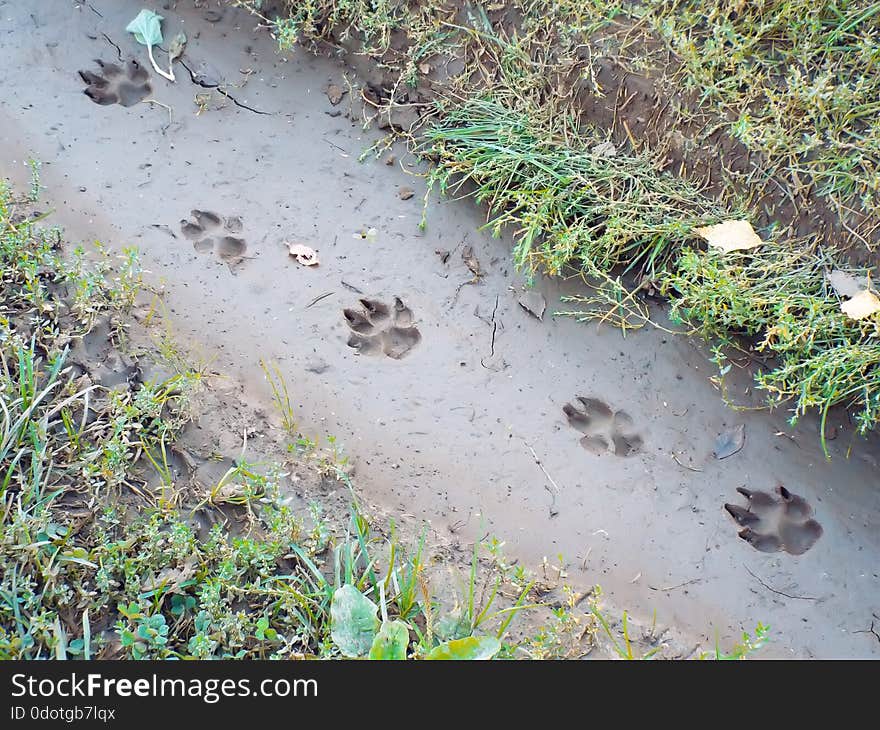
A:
[303,254]
[731,236]
[534,303]
[335,94]
[845,284]
[471,261]
[862,305]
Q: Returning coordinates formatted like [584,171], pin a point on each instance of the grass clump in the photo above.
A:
[568,205]
[795,80]
[780,298]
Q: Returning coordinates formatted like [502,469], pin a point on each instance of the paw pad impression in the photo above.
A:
[211,232]
[377,328]
[776,523]
[604,429]
[117,85]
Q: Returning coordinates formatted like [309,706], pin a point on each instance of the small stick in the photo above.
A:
[159,103]
[691,468]
[771,588]
[318,299]
[553,510]
[680,585]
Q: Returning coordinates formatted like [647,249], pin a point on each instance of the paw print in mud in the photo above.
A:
[379,329]
[209,232]
[605,431]
[116,85]
[776,523]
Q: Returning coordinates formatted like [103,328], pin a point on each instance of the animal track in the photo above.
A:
[772,523]
[604,429]
[114,85]
[377,328]
[211,232]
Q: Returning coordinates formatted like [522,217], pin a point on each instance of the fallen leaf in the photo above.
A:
[729,442]
[534,303]
[303,254]
[862,305]
[177,46]
[335,94]
[731,236]
[405,193]
[471,261]
[845,284]
[604,149]
[425,68]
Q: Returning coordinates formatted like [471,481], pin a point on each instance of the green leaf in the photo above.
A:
[471,648]
[177,46]
[353,621]
[147,28]
[391,642]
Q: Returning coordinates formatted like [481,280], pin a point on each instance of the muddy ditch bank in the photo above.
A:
[455,411]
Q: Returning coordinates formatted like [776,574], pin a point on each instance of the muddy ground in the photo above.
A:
[453,413]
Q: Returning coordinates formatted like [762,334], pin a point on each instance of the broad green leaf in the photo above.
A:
[147,28]
[471,648]
[391,641]
[353,621]
[453,626]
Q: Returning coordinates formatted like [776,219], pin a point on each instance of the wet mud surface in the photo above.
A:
[455,402]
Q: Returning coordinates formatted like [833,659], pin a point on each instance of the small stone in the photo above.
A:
[405,193]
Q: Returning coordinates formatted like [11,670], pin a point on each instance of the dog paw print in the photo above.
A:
[211,232]
[774,523]
[605,431]
[116,85]
[379,329]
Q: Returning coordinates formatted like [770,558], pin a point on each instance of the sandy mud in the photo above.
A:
[456,404]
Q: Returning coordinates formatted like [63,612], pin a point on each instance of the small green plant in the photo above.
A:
[745,648]
[36,188]
[281,397]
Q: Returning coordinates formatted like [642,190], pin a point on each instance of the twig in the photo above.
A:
[159,103]
[781,593]
[553,510]
[680,585]
[691,468]
[318,299]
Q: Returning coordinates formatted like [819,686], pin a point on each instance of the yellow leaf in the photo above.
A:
[303,254]
[731,236]
[862,305]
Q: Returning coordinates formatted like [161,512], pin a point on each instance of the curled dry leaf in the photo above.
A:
[845,284]
[731,236]
[534,303]
[604,149]
[730,442]
[303,254]
[862,305]
[471,261]
[335,94]
[177,46]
